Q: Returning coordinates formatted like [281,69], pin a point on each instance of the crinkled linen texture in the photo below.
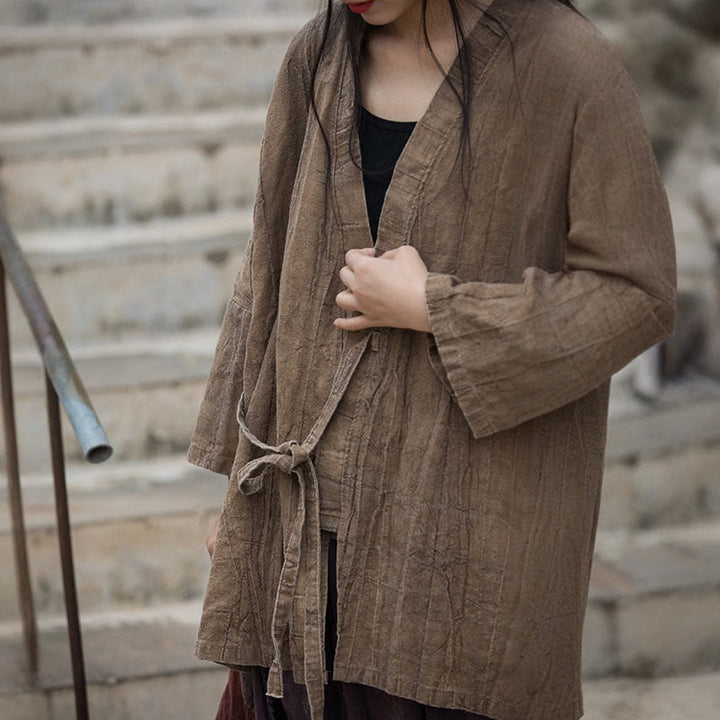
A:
[473,474]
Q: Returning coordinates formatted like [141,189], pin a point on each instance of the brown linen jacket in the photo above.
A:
[473,471]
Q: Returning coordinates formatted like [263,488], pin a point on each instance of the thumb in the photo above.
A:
[368,250]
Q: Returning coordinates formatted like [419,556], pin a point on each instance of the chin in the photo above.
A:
[374,15]
[377,18]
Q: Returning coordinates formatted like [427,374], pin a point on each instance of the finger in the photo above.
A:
[347,301]
[358,322]
[352,256]
[348,277]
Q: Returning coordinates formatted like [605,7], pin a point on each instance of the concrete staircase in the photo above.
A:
[129,136]
[655,590]
[129,158]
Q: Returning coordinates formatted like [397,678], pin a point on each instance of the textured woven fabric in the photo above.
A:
[381,143]
[343,701]
[474,463]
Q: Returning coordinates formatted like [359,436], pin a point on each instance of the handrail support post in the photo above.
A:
[66,553]
[12,466]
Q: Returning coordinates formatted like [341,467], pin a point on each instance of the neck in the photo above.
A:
[408,29]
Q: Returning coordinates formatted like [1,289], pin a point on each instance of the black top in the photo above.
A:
[381,144]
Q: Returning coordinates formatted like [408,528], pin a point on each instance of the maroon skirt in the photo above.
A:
[245,699]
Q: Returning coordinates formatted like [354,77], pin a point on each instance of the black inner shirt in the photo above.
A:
[381,144]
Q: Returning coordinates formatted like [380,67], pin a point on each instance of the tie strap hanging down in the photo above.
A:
[293,459]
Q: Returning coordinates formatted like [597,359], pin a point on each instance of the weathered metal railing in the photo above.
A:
[63,386]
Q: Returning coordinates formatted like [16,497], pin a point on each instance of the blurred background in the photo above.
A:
[129,137]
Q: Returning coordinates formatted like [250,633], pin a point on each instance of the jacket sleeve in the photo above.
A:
[253,304]
[514,351]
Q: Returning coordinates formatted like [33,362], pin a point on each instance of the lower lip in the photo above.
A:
[360,8]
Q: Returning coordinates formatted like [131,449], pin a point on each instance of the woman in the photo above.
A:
[410,388]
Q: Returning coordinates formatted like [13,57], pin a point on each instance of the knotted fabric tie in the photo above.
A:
[293,459]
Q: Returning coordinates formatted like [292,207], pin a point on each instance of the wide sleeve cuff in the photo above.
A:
[451,368]
[211,458]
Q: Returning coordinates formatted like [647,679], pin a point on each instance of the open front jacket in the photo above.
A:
[473,472]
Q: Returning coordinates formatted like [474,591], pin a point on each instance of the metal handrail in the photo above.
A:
[63,386]
[65,379]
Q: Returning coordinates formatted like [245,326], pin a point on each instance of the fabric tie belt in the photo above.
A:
[293,459]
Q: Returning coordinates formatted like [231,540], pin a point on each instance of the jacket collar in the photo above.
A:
[433,142]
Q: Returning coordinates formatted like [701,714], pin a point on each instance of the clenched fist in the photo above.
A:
[387,291]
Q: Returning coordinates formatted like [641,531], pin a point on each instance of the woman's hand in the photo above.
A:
[387,291]
[210,542]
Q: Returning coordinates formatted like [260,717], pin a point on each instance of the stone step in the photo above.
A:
[138,662]
[690,697]
[654,602]
[171,65]
[166,276]
[120,170]
[146,392]
[22,12]
[139,532]
[664,489]
[662,462]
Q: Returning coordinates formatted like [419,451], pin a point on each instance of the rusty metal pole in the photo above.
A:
[22,568]
[66,553]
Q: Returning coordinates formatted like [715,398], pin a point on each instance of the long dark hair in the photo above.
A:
[355,37]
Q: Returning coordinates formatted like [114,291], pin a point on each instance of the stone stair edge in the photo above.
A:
[120,492]
[182,612]
[138,177]
[161,360]
[687,413]
[194,340]
[87,133]
[106,244]
[692,696]
[656,562]
[254,27]
[85,477]
[146,642]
